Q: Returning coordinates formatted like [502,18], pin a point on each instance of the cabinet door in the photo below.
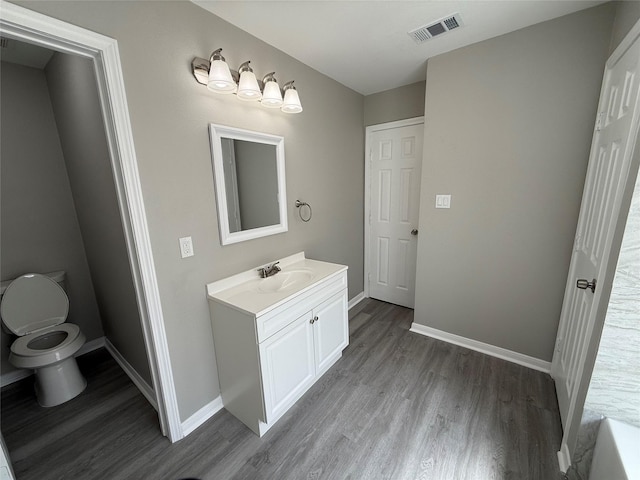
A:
[288,367]
[331,330]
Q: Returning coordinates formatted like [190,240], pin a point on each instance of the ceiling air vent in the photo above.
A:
[434,29]
[4,42]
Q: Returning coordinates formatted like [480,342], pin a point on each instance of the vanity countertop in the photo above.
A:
[249,293]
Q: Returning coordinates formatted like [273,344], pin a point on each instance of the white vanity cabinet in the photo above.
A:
[270,350]
[293,358]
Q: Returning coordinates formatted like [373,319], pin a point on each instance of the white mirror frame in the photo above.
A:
[217,132]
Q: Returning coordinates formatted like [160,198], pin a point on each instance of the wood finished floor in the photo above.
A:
[398,405]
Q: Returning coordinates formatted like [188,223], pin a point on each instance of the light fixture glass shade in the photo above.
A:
[220,79]
[271,96]
[291,99]
[248,88]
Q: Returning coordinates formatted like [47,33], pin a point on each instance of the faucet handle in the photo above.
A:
[262,272]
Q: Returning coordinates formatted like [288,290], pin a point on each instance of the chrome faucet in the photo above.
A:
[269,270]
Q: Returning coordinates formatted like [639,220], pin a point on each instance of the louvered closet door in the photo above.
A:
[396,158]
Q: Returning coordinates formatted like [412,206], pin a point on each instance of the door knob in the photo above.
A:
[583,284]
[414,232]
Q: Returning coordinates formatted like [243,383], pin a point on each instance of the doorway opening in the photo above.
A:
[20,24]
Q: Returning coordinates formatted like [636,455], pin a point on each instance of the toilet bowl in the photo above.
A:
[34,307]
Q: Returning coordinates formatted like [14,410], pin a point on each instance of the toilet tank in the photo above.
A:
[57,277]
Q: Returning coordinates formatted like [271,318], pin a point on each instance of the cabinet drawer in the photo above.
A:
[277,319]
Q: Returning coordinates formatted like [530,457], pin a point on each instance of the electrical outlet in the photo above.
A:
[186,247]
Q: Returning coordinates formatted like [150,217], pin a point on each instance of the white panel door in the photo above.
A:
[288,366]
[615,133]
[395,166]
[331,330]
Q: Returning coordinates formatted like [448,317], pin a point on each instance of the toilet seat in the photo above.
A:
[33,302]
[35,306]
[21,345]
[26,357]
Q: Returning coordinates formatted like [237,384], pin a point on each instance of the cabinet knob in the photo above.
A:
[313,320]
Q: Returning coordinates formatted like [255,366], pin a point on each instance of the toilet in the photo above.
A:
[34,307]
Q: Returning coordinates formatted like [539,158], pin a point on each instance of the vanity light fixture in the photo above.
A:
[271,96]
[219,78]
[216,75]
[248,88]
[291,99]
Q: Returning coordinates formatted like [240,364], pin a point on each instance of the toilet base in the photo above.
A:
[59,383]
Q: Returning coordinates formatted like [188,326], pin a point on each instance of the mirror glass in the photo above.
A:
[250,185]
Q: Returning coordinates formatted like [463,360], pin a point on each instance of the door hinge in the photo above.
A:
[599,121]
[577,243]
[559,345]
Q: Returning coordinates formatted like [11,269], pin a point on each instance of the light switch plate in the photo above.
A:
[186,247]
[443,201]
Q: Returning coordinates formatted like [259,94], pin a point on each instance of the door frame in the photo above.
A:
[367,186]
[610,260]
[26,25]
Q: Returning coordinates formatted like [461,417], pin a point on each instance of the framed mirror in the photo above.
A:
[250,183]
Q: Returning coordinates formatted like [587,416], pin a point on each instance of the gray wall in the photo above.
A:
[395,104]
[257,173]
[170,113]
[627,14]
[40,231]
[508,129]
[76,107]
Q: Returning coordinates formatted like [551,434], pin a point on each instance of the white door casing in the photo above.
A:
[392,200]
[614,138]
[231,181]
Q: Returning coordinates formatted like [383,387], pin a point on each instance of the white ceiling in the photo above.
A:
[364,44]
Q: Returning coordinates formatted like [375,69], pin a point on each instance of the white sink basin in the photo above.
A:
[283,281]
[257,296]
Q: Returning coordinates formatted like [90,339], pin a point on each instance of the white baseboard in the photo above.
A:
[135,377]
[564,458]
[201,416]
[356,300]
[499,352]
[17,375]
[91,345]
[143,386]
